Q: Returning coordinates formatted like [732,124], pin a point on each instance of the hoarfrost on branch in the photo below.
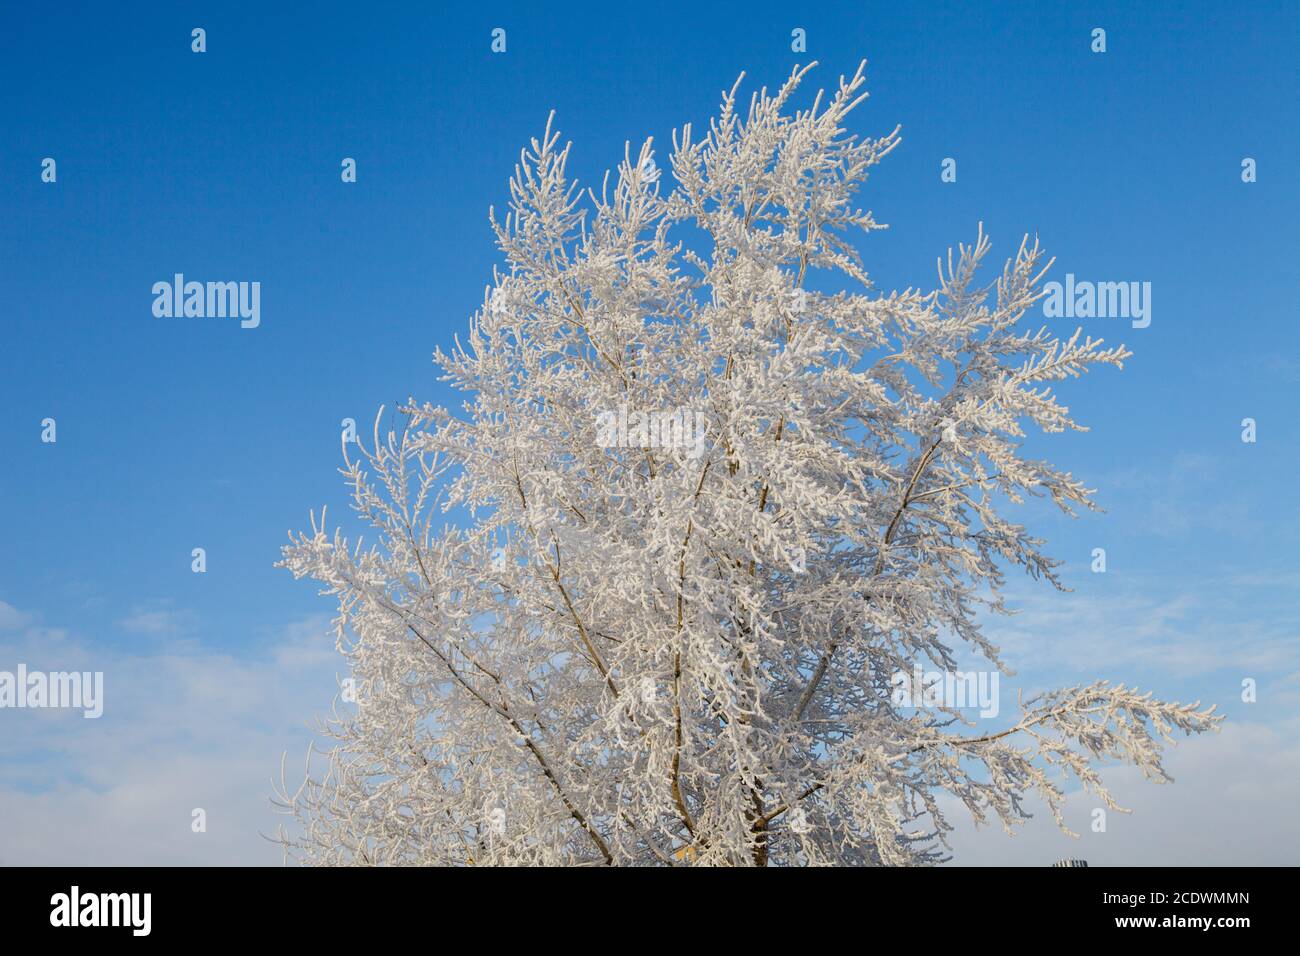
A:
[636,655]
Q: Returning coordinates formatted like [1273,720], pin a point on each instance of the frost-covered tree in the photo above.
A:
[706,513]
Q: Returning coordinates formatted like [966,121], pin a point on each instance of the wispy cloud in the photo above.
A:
[11,617]
[1229,622]
[155,622]
[1192,493]
[182,729]
[1232,803]
[187,726]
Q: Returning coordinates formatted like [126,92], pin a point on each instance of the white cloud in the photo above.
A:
[1232,803]
[1126,623]
[197,727]
[10,618]
[155,621]
[187,729]
[1188,494]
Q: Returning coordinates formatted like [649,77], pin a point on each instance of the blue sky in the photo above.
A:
[175,433]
